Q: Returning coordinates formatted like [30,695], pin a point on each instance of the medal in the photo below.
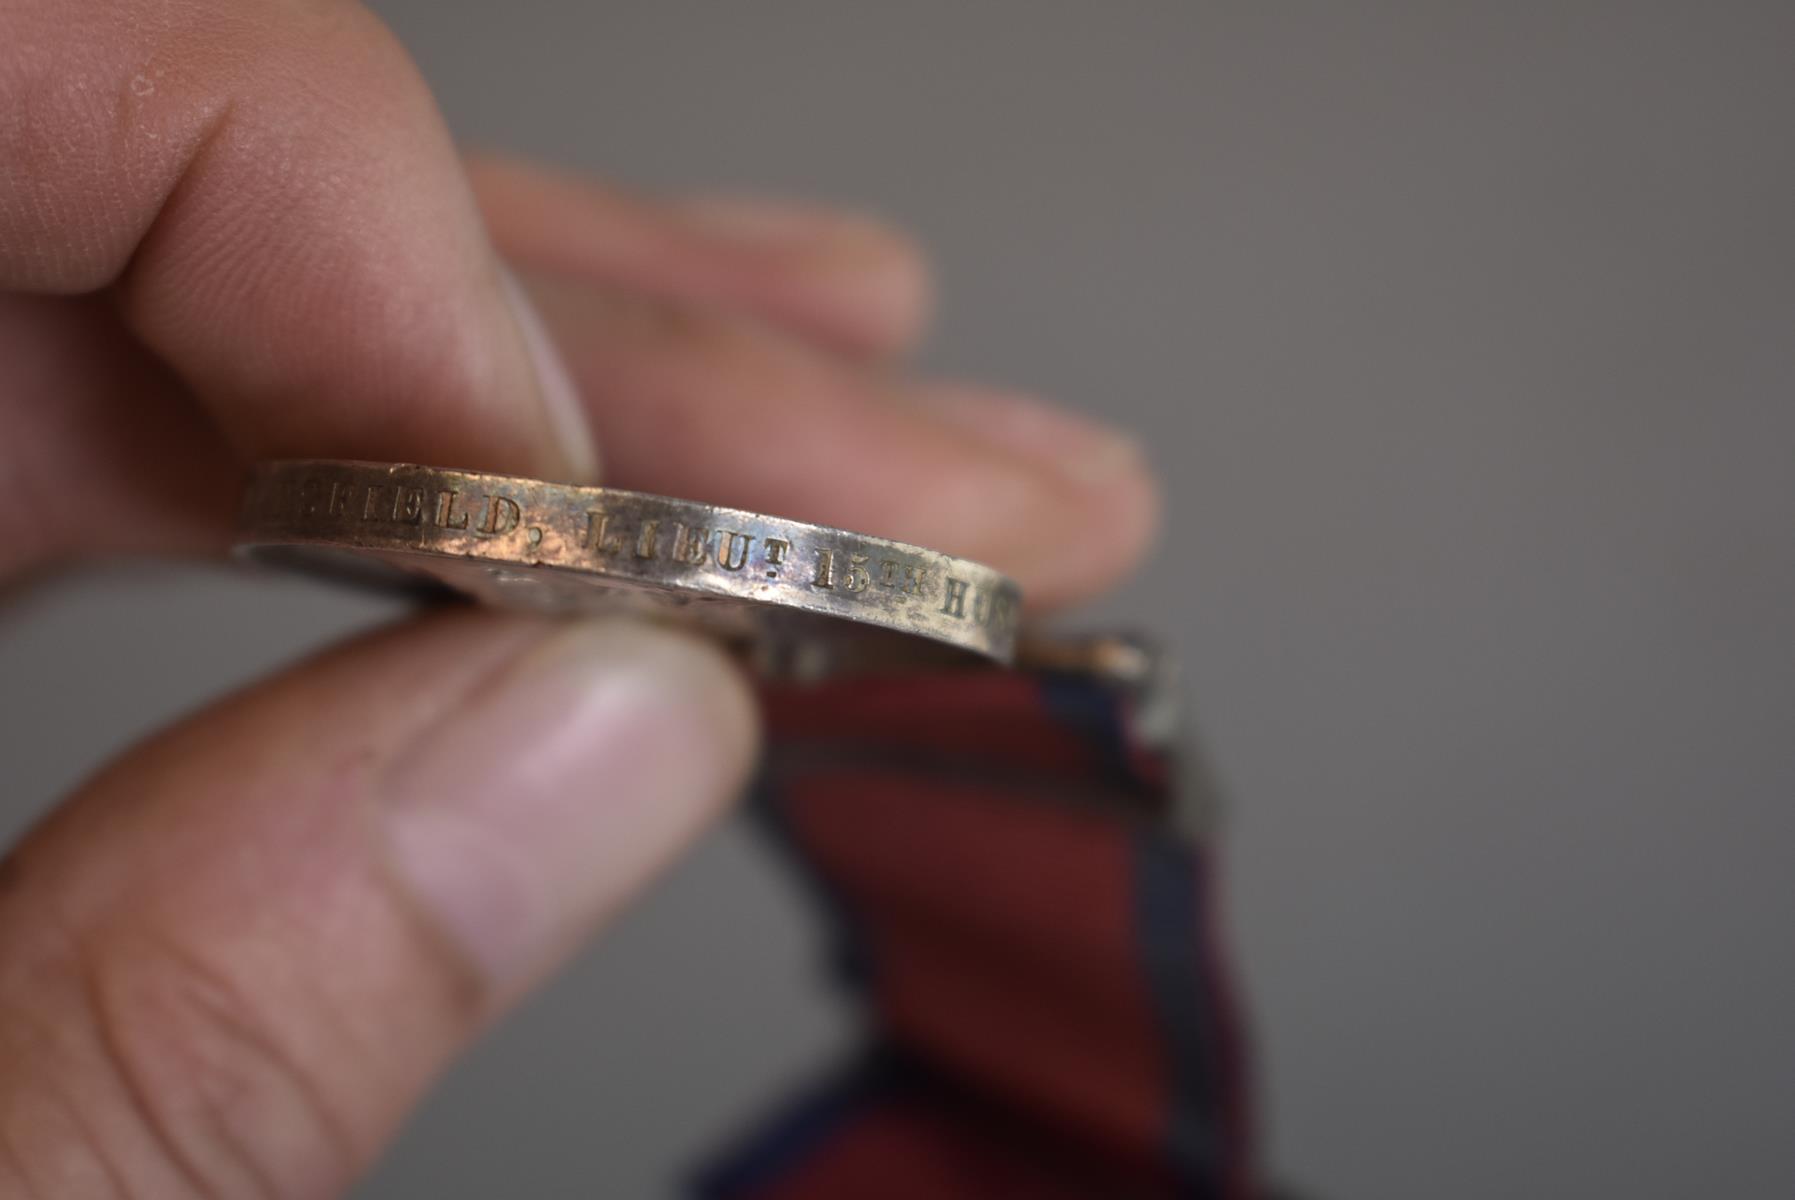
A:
[787,588]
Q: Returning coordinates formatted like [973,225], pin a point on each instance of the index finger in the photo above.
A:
[271,194]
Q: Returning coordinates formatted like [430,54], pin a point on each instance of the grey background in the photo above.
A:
[1465,339]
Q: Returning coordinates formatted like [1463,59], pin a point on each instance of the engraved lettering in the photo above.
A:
[981,607]
[953,602]
[408,505]
[338,504]
[914,579]
[646,537]
[858,579]
[501,517]
[599,537]
[727,556]
[1006,614]
[888,572]
[776,548]
[825,569]
[371,505]
[446,515]
[690,543]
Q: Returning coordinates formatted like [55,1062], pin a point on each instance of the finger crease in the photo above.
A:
[93,993]
[226,1017]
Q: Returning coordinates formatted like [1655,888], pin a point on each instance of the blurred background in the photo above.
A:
[1464,336]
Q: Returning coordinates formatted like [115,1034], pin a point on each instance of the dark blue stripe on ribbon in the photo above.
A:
[1094,712]
[1167,921]
[803,1127]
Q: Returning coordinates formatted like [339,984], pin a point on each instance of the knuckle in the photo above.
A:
[103,114]
[56,135]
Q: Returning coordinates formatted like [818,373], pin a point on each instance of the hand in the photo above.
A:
[235,229]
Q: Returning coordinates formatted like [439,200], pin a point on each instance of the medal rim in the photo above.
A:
[278,511]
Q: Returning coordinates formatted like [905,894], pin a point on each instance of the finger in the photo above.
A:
[695,403]
[842,280]
[269,192]
[101,448]
[232,962]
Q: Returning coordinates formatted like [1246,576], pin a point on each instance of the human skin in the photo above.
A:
[234,229]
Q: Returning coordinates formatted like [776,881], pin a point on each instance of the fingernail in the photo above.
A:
[1074,446]
[755,220]
[865,261]
[554,383]
[556,790]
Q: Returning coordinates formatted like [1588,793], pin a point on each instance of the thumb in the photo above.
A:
[233,961]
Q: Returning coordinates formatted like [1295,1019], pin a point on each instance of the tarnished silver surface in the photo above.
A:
[786,587]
